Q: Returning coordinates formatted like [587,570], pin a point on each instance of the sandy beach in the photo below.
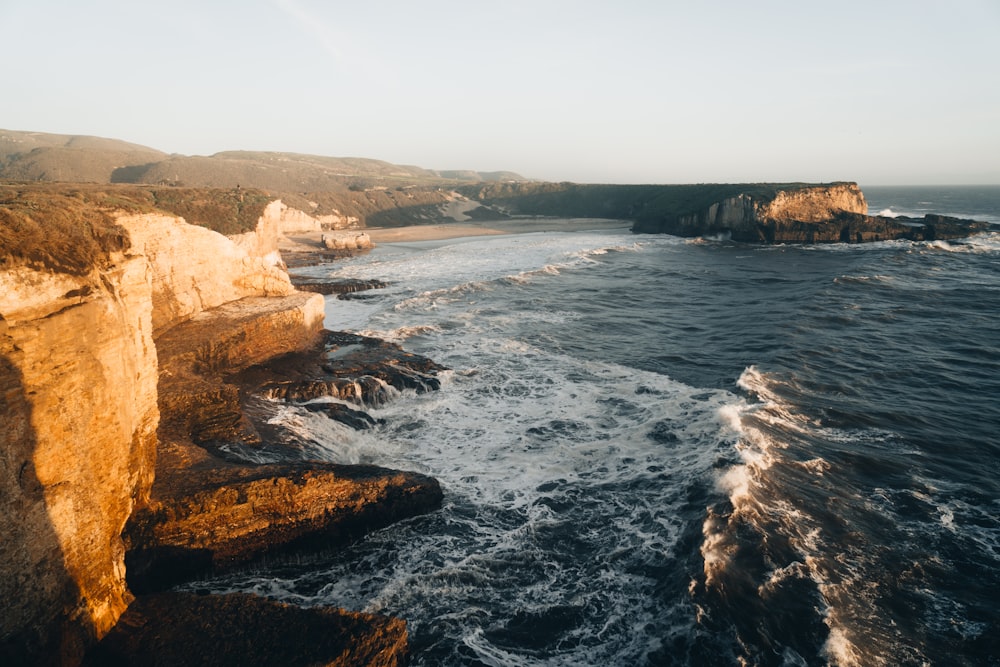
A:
[310,242]
[462,229]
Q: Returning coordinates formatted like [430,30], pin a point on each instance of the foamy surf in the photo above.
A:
[609,500]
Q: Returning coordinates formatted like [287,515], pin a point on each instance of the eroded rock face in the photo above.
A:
[750,219]
[816,214]
[219,514]
[111,381]
[347,241]
[196,269]
[262,242]
[814,204]
[78,373]
[293,221]
[208,510]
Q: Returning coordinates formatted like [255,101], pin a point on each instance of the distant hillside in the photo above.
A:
[36,156]
[360,187]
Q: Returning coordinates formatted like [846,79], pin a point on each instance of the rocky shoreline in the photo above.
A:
[141,359]
[137,452]
[212,509]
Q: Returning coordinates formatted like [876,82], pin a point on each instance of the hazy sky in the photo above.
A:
[879,91]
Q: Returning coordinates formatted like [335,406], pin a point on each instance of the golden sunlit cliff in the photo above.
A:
[117,322]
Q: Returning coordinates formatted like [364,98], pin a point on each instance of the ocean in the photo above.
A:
[666,451]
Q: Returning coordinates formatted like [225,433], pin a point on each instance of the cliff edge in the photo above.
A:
[833,213]
[114,320]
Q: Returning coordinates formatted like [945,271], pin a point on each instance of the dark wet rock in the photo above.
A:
[244,631]
[296,259]
[345,414]
[211,505]
[353,368]
[339,287]
[215,514]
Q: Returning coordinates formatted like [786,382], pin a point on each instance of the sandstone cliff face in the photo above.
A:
[753,219]
[78,372]
[293,221]
[79,381]
[347,241]
[814,204]
[195,269]
[262,242]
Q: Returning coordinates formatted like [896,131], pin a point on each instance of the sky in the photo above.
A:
[620,91]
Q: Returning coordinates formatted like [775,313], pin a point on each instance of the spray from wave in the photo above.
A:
[763,550]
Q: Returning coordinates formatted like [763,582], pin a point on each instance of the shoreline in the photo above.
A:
[442,232]
[312,241]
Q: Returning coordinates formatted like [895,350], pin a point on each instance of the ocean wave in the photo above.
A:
[759,504]
[877,278]
[558,472]
[401,334]
[983,243]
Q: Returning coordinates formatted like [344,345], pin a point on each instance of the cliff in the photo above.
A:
[78,372]
[835,213]
[750,213]
[768,217]
[117,326]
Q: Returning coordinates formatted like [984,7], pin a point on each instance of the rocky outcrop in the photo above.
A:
[78,373]
[209,508]
[195,269]
[114,406]
[347,241]
[225,514]
[764,216]
[247,631]
[816,214]
[294,221]
[341,287]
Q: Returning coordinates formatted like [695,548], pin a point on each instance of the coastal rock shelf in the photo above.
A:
[208,510]
[218,514]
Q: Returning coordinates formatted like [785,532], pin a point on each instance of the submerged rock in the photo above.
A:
[356,419]
[350,367]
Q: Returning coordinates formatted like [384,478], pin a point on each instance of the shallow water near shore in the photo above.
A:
[666,451]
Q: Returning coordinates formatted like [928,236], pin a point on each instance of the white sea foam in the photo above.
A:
[983,243]
[558,471]
[572,485]
[839,650]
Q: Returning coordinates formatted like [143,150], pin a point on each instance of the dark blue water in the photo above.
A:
[670,452]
